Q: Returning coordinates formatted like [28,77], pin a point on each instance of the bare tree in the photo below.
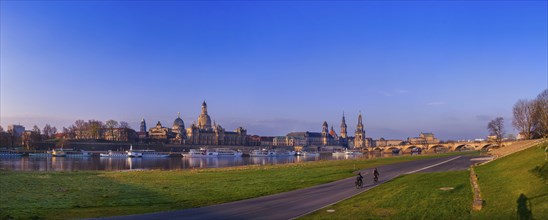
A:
[523,121]
[35,134]
[80,129]
[47,131]
[124,124]
[36,130]
[541,114]
[95,128]
[496,128]
[111,124]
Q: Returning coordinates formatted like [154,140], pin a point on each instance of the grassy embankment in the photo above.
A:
[516,186]
[61,195]
[418,196]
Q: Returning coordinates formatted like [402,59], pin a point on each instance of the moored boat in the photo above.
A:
[131,153]
[40,154]
[202,152]
[58,153]
[310,154]
[263,153]
[8,153]
[113,154]
[152,154]
[226,152]
[81,153]
[346,152]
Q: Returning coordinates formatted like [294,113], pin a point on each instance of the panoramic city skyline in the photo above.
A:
[274,67]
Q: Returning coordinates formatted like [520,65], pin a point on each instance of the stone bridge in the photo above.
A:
[455,146]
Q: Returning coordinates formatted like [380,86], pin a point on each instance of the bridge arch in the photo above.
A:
[408,149]
[438,148]
[389,149]
[464,147]
[487,147]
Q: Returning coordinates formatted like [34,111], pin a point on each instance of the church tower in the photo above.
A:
[143,126]
[325,133]
[204,121]
[343,128]
[359,138]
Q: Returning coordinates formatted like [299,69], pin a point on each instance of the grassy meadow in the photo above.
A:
[516,186]
[513,187]
[81,194]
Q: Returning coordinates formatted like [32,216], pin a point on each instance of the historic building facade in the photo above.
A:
[206,133]
[359,136]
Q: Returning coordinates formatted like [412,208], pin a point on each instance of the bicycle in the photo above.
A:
[376,179]
[358,183]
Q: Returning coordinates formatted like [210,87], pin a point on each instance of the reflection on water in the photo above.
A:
[169,163]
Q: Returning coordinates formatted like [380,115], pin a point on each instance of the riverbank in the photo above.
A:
[513,187]
[62,195]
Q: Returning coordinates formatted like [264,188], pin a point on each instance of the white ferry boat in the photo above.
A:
[8,153]
[346,152]
[114,154]
[226,152]
[310,154]
[41,154]
[152,154]
[263,153]
[202,152]
[58,153]
[81,153]
[131,153]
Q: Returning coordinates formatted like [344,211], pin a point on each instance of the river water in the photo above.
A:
[170,163]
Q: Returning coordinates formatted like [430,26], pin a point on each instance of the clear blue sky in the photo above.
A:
[274,67]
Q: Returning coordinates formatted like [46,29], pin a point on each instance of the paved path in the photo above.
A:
[303,201]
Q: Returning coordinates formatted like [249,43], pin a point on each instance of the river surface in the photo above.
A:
[170,163]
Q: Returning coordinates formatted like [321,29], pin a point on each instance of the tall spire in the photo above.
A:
[343,127]
[204,108]
[143,126]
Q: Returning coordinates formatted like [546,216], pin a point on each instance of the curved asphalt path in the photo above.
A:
[300,202]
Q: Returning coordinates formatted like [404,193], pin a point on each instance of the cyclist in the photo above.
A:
[376,174]
[359,179]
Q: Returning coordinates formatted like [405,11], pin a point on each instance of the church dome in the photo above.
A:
[178,123]
[204,121]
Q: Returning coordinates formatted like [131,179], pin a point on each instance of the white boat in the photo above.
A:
[202,152]
[309,154]
[46,154]
[131,153]
[226,152]
[263,153]
[152,154]
[10,154]
[58,153]
[346,152]
[81,153]
[114,154]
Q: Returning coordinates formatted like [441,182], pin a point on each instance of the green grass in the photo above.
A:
[415,196]
[62,195]
[504,181]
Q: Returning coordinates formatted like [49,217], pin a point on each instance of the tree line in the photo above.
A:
[91,129]
[530,118]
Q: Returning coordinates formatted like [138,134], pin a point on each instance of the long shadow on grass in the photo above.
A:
[524,208]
